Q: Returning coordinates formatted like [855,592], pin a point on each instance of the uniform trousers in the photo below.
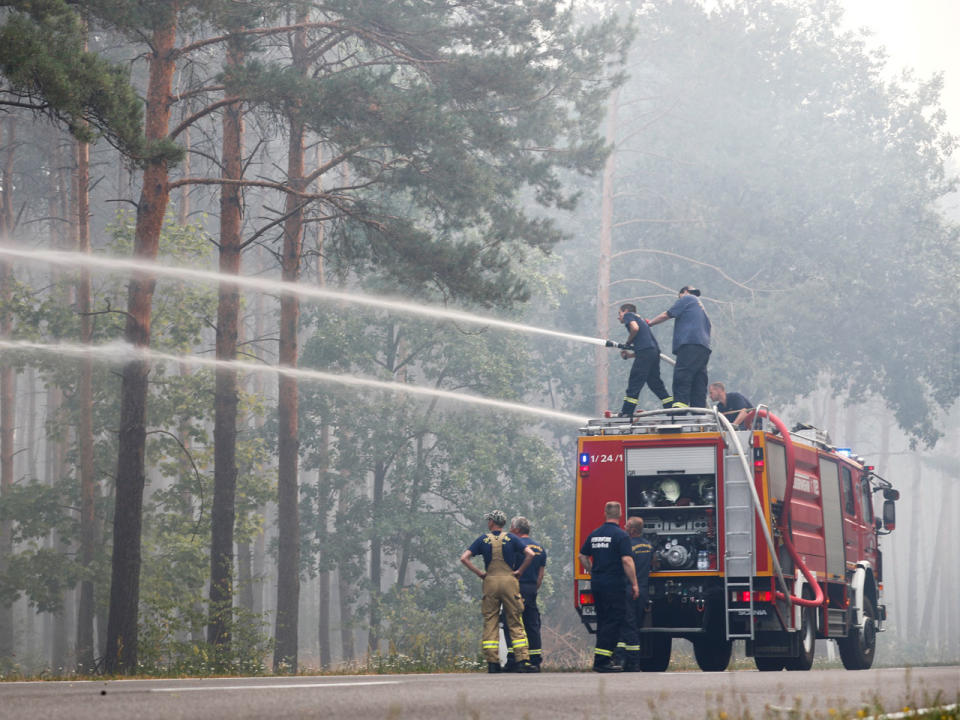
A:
[632,622]
[531,624]
[690,375]
[611,604]
[645,370]
[502,590]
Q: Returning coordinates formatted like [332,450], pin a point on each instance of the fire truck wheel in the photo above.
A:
[808,643]
[858,648]
[712,653]
[768,664]
[660,660]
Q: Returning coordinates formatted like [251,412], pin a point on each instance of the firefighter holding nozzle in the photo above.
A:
[642,346]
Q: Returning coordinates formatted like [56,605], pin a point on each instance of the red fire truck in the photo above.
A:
[766,535]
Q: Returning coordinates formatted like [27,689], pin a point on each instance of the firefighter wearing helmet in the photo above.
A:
[506,558]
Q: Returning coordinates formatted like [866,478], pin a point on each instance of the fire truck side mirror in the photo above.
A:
[889,515]
[891,494]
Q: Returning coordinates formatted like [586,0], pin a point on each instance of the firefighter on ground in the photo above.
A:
[636,608]
[734,406]
[606,554]
[691,345]
[530,582]
[642,346]
[506,559]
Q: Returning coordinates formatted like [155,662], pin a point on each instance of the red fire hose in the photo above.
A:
[784,525]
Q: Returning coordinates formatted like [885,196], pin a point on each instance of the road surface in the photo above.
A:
[825,694]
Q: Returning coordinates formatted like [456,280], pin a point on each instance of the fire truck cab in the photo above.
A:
[766,536]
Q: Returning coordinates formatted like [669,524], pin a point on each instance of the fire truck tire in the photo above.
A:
[660,660]
[768,664]
[808,643]
[859,647]
[712,653]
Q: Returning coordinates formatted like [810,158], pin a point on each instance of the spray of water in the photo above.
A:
[302,290]
[119,352]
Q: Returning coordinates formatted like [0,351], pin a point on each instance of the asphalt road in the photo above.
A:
[584,696]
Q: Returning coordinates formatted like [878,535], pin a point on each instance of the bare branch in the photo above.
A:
[685,258]
[188,121]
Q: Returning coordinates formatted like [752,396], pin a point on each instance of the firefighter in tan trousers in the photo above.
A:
[506,558]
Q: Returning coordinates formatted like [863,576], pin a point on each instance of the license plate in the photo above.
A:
[588,610]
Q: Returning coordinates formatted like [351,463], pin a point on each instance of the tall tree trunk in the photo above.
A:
[376,555]
[323,571]
[323,489]
[602,355]
[288,518]
[56,467]
[183,207]
[8,380]
[935,591]
[414,503]
[917,518]
[121,654]
[88,533]
[223,514]
[260,541]
[344,595]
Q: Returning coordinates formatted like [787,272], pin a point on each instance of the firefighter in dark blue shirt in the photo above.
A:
[530,583]
[691,345]
[506,559]
[642,551]
[607,556]
[645,351]
[734,406]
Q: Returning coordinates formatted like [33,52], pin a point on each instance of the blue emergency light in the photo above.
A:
[584,462]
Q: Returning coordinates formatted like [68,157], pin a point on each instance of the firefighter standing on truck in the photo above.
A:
[691,345]
[636,607]
[642,346]
[606,554]
[506,559]
[530,583]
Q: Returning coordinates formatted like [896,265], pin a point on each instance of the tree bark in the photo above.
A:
[288,518]
[88,534]
[323,572]
[223,515]
[122,638]
[919,581]
[376,555]
[8,381]
[602,363]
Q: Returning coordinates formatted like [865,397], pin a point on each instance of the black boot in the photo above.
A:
[528,667]
[494,667]
[607,667]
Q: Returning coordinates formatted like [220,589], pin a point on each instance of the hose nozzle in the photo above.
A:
[611,343]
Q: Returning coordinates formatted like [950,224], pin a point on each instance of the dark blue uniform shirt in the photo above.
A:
[644,338]
[530,575]
[512,549]
[643,560]
[691,325]
[605,546]
[734,404]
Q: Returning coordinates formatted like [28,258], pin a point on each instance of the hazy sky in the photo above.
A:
[921,34]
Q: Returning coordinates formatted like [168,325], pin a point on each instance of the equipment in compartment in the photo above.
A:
[679,516]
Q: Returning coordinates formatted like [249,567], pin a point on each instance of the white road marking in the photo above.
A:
[278,686]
